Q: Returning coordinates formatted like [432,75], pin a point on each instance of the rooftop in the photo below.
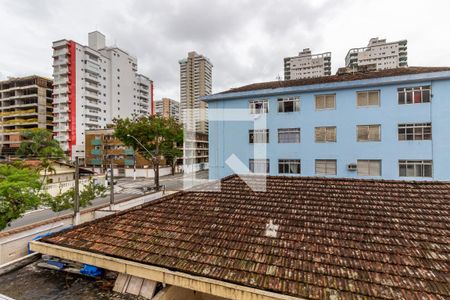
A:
[305,236]
[337,78]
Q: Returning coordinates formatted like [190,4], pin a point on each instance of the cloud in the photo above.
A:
[245,40]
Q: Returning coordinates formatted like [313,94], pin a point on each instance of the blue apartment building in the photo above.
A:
[387,124]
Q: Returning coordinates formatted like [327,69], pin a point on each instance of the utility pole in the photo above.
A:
[76,197]
[134,165]
[111,186]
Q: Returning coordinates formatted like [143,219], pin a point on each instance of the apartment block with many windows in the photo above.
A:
[307,65]
[379,54]
[167,108]
[25,104]
[389,124]
[94,84]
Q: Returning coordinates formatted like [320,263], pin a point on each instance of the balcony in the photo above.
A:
[61,128]
[96,152]
[128,151]
[96,162]
[128,162]
[96,142]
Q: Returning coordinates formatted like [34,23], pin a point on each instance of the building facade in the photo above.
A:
[25,104]
[389,124]
[380,54]
[307,65]
[94,84]
[195,82]
[167,108]
[102,147]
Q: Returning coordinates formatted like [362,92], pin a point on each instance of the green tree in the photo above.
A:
[64,200]
[20,190]
[39,143]
[153,137]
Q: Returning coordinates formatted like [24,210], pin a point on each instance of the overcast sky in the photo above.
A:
[245,40]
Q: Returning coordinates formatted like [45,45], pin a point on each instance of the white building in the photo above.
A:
[307,65]
[167,107]
[379,53]
[93,85]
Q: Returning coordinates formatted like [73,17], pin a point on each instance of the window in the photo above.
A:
[289,166]
[369,167]
[414,132]
[259,106]
[325,134]
[368,133]
[368,98]
[258,136]
[325,102]
[290,104]
[415,168]
[261,166]
[325,167]
[414,95]
[288,135]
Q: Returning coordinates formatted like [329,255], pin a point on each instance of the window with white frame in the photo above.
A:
[325,167]
[325,134]
[290,104]
[368,98]
[415,168]
[260,166]
[414,132]
[414,95]
[259,106]
[258,136]
[288,135]
[369,133]
[325,102]
[369,167]
[289,166]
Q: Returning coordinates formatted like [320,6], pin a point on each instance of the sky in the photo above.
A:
[246,40]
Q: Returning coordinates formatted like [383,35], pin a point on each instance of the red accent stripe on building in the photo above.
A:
[151,99]
[72,96]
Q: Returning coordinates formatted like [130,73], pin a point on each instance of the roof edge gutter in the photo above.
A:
[197,283]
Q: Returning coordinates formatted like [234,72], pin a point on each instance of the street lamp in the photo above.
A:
[129,135]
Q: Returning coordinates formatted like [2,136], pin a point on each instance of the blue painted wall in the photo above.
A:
[227,137]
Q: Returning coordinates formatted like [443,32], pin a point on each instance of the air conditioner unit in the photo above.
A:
[352,167]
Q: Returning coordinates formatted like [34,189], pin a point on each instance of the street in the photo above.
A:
[125,188]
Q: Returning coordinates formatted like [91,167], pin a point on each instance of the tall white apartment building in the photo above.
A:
[167,107]
[94,84]
[195,82]
[380,54]
[307,65]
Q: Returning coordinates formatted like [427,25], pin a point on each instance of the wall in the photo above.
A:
[231,137]
[55,189]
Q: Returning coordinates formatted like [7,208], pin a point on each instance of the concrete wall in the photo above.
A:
[55,189]
[230,137]
[177,293]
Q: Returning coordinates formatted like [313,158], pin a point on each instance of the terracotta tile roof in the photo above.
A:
[347,237]
[336,78]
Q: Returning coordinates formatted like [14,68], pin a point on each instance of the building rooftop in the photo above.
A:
[337,78]
[306,237]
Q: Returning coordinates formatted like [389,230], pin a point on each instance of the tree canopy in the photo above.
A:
[153,137]
[20,190]
[39,143]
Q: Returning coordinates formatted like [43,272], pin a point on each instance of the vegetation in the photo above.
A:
[153,137]
[20,190]
[39,144]
[65,200]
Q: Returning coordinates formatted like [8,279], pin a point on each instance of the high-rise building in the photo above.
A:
[307,65]
[195,82]
[380,54]
[25,104]
[94,84]
[167,107]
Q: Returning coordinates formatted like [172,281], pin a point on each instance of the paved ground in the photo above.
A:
[126,187]
[35,283]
